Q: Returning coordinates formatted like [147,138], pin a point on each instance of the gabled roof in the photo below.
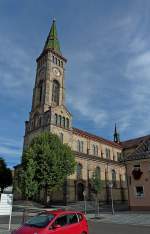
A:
[132,143]
[142,150]
[96,138]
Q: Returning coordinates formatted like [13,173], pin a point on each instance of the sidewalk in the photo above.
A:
[142,219]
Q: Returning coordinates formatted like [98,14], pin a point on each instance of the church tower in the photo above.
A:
[48,101]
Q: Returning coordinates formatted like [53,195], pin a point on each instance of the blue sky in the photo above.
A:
[107,44]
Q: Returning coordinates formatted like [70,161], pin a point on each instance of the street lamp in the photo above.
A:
[112,201]
[84,194]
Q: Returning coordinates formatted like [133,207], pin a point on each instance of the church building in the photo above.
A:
[49,113]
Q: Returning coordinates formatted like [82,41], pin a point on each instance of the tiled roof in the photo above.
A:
[134,142]
[95,138]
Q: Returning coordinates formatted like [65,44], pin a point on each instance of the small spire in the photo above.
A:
[115,128]
[116,135]
[52,41]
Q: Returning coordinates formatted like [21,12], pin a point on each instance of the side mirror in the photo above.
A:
[56,226]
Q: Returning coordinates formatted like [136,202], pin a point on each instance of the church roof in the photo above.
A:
[96,138]
[134,142]
[52,41]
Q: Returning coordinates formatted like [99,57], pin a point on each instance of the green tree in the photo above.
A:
[52,163]
[5,175]
[28,183]
[96,187]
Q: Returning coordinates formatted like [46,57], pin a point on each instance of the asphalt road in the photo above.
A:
[103,228]
[95,227]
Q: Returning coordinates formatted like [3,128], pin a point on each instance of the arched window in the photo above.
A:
[32,124]
[93,149]
[96,150]
[40,88]
[78,146]
[121,180]
[79,171]
[59,120]
[63,122]
[39,121]
[40,96]
[55,92]
[81,146]
[107,153]
[114,178]
[106,176]
[98,172]
[36,121]
[67,122]
[56,119]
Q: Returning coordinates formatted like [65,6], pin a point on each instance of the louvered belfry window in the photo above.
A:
[55,92]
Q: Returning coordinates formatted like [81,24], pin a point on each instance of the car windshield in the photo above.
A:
[40,220]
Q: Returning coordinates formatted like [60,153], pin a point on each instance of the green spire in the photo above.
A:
[52,41]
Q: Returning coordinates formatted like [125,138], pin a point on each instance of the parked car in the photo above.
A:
[58,221]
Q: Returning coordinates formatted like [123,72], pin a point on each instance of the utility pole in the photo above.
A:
[112,201]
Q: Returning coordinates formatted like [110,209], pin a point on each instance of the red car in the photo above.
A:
[58,221]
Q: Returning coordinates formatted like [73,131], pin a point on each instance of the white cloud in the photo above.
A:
[122,48]
[16,69]
[9,151]
[10,147]
[135,117]
[138,44]
[83,106]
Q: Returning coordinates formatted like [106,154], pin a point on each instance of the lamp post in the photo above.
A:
[84,194]
[112,201]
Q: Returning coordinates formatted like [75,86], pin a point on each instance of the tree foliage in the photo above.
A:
[5,175]
[29,185]
[46,164]
[96,187]
[96,183]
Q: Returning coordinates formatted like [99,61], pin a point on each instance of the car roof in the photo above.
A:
[60,211]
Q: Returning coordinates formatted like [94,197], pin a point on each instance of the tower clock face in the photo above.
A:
[56,71]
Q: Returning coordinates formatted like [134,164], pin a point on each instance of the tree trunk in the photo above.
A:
[45,195]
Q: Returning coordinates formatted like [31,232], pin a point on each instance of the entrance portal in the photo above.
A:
[80,189]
